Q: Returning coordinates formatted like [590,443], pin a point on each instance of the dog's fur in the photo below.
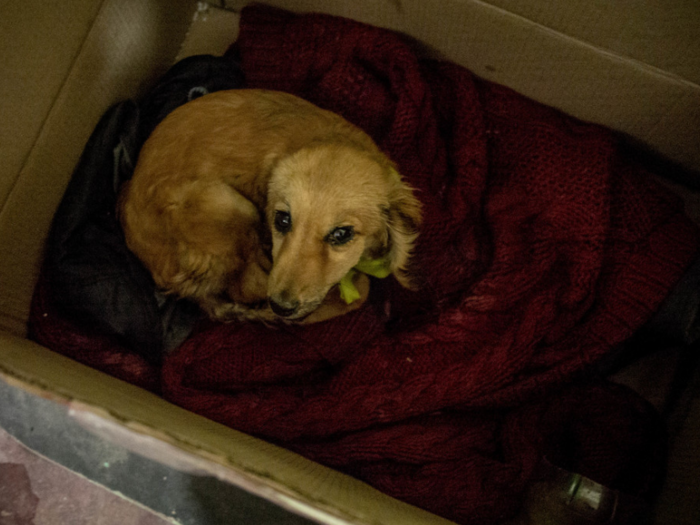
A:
[235,177]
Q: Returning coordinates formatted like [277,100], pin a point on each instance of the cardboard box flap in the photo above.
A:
[665,35]
[127,47]
[212,31]
[37,48]
[118,410]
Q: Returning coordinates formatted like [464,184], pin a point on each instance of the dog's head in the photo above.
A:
[329,206]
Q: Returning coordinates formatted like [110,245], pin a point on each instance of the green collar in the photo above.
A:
[375,267]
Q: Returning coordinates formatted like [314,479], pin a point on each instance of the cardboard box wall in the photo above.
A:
[633,66]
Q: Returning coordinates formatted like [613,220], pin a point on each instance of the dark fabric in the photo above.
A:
[93,280]
[678,317]
[542,250]
[93,276]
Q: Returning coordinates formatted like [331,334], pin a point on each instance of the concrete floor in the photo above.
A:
[53,471]
[37,491]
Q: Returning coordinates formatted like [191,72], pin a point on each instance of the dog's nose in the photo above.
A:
[284,309]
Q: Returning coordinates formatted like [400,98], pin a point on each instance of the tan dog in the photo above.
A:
[232,177]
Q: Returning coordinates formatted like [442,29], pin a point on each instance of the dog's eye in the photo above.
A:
[283,221]
[340,235]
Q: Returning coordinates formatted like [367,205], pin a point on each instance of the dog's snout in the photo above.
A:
[283,308]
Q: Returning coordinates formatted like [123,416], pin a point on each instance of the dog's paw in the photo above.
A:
[224,310]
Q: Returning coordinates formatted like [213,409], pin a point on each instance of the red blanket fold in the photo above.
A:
[541,250]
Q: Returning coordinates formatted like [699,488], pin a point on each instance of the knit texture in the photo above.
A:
[541,250]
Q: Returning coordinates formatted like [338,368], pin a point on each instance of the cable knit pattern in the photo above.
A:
[541,250]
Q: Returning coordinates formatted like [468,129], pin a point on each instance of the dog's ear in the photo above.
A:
[402,219]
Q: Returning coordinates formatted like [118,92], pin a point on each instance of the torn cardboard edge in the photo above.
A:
[212,31]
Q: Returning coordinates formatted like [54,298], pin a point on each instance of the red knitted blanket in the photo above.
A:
[541,250]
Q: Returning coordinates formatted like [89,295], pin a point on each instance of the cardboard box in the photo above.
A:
[629,66]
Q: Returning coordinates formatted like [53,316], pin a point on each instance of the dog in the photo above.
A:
[255,204]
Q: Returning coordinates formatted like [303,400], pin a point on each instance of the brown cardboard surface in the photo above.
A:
[121,411]
[663,34]
[62,65]
[562,64]
[128,46]
[37,47]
